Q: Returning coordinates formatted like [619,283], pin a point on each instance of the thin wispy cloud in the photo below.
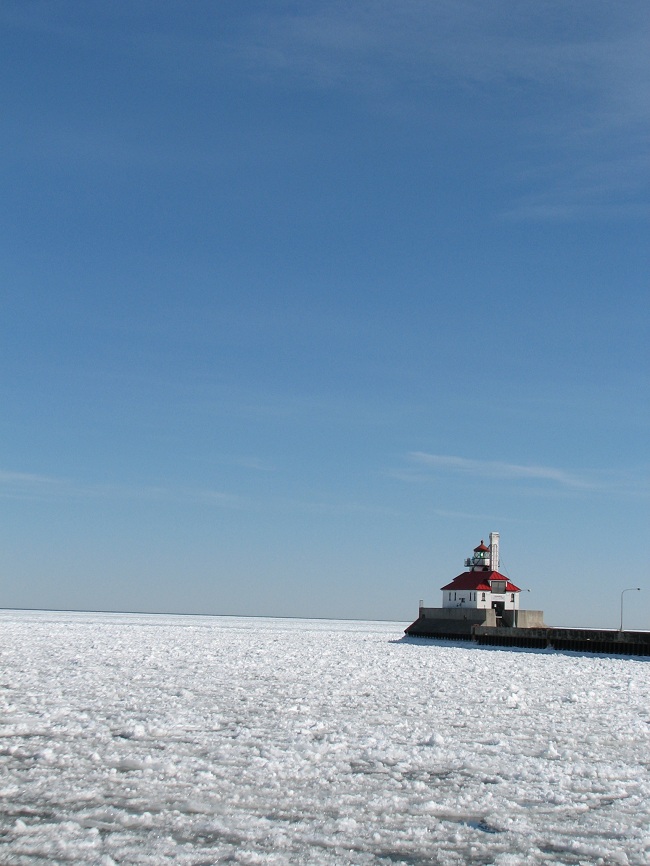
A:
[468,515]
[34,487]
[606,188]
[367,46]
[581,92]
[255,464]
[31,486]
[577,78]
[335,509]
[499,470]
[23,485]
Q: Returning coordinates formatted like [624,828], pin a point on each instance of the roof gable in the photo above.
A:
[479,580]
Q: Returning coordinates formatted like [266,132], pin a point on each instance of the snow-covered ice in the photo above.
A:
[208,740]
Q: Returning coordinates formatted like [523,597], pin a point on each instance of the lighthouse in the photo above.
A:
[482,587]
[479,601]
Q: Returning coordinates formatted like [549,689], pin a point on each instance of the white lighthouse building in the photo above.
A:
[481,601]
[483,586]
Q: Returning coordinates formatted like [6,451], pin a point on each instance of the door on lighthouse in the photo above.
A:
[499,607]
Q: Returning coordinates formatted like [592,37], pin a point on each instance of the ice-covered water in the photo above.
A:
[196,740]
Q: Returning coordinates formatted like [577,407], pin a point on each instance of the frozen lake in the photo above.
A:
[208,740]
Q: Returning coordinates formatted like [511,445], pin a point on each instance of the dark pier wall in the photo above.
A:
[633,643]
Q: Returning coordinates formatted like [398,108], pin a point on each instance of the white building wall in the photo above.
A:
[458,598]
[464,598]
[474,599]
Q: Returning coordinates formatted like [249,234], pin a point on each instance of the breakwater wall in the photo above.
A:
[609,641]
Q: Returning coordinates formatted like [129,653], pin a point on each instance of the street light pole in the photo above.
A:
[632,589]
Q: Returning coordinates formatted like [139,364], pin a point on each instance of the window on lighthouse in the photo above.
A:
[482,596]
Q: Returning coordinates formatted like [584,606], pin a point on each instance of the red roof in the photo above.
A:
[479,580]
[481,547]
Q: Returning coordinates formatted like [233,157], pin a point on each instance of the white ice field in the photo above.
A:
[209,740]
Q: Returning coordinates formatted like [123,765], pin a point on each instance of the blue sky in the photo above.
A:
[301,301]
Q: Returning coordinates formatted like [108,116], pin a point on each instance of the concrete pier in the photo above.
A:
[608,641]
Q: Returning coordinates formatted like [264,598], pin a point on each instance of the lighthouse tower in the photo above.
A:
[483,586]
